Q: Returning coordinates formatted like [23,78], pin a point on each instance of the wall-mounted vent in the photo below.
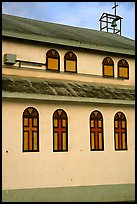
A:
[9,59]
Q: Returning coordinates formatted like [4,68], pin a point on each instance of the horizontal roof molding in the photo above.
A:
[41,97]
[65,90]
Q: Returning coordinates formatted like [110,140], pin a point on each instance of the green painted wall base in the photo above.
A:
[98,193]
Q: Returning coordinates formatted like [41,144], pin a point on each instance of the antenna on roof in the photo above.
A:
[114,7]
[108,19]
[116,17]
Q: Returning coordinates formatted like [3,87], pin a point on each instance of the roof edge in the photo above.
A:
[42,97]
[66,42]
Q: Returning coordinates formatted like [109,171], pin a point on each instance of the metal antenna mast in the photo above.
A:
[109,21]
[114,7]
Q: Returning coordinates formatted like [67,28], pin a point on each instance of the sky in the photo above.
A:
[80,14]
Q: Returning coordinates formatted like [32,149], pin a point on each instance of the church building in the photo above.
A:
[68,113]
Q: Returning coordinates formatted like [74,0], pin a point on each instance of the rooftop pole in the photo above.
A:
[114,7]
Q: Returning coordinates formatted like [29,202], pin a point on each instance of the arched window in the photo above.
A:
[53,60]
[30,130]
[60,131]
[120,131]
[96,131]
[123,69]
[70,62]
[108,67]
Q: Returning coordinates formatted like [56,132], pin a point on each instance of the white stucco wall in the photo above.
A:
[78,166]
[87,62]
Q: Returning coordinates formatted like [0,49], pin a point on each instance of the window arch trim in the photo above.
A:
[120,131]
[30,130]
[53,60]
[96,131]
[70,59]
[123,67]
[60,131]
[108,67]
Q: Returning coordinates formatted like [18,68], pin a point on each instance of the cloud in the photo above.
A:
[16,8]
[77,13]
[35,10]
[87,14]
[127,11]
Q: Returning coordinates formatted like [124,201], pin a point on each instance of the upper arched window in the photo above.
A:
[96,131]
[30,130]
[70,62]
[120,131]
[108,67]
[60,131]
[123,69]
[53,60]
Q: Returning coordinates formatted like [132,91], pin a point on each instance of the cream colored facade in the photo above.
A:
[89,64]
[79,166]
